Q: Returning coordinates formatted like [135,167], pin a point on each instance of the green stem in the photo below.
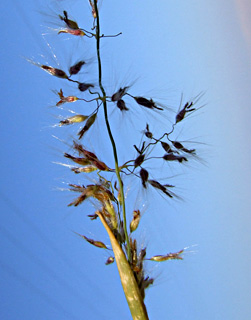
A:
[110,134]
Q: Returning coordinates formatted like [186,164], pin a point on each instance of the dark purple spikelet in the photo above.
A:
[119,94]
[161,187]
[76,68]
[148,133]
[150,104]
[139,160]
[179,146]
[173,157]
[84,86]
[187,108]
[144,176]
[121,105]
[166,147]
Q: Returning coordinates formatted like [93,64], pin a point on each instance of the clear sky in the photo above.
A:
[167,48]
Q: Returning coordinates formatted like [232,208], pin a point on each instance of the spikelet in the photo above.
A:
[75,119]
[135,220]
[95,243]
[169,256]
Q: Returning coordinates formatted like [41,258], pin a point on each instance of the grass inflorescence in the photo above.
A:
[108,192]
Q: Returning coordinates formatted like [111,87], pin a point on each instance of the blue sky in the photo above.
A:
[165,50]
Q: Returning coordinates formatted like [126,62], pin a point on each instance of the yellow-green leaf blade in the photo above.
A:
[130,287]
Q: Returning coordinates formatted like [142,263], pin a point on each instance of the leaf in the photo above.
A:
[130,287]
